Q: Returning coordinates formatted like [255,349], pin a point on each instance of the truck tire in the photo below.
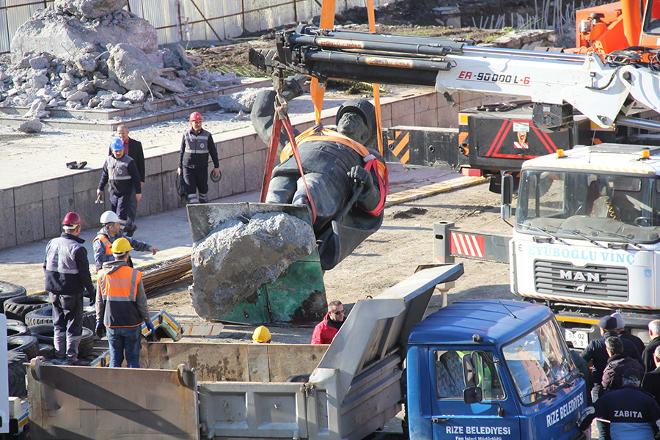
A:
[18,307]
[45,316]
[16,371]
[43,333]
[24,344]
[9,290]
[86,346]
[46,350]
[16,328]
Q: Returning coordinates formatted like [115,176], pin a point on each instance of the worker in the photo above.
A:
[196,146]
[617,363]
[343,191]
[647,354]
[632,413]
[121,306]
[261,335]
[110,232]
[623,334]
[125,186]
[326,330]
[67,279]
[132,148]
[651,381]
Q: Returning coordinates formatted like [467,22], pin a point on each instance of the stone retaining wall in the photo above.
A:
[33,212]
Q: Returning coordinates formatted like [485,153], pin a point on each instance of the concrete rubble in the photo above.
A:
[232,262]
[87,54]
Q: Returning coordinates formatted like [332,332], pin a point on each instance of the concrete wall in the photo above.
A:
[33,212]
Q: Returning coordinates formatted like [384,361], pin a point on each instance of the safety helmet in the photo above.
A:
[121,246]
[366,110]
[110,217]
[71,219]
[195,116]
[117,144]
[261,335]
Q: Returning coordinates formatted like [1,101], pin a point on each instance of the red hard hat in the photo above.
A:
[71,219]
[195,116]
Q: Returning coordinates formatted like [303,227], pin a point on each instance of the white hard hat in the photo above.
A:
[110,217]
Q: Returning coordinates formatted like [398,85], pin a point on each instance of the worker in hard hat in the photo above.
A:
[125,186]
[261,335]
[344,174]
[67,279]
[111,231]
[121,306]
[196,146]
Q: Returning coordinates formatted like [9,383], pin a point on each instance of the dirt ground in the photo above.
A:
[404,241]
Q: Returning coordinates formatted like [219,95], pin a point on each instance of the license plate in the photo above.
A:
[579,338]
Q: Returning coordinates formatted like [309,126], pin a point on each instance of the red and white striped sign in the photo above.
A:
[469,245]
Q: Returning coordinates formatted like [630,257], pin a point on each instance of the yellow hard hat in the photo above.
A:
[121,246]
[261,334]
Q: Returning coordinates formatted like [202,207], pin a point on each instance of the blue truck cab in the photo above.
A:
[492,370]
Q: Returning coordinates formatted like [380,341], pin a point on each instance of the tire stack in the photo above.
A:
[30,331]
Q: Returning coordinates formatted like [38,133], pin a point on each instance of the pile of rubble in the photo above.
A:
[80,54]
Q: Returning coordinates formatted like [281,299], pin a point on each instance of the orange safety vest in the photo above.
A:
[106,243]
[315,134]
[120,285]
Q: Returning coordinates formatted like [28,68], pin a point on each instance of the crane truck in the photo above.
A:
[615,253]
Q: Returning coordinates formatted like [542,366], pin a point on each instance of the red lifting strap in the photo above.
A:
[383,185]
[272,153]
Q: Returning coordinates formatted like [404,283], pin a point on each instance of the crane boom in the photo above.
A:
[605,92]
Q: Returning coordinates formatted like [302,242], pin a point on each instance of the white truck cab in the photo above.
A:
[586,235]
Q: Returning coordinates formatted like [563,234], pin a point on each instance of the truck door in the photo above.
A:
[456,372]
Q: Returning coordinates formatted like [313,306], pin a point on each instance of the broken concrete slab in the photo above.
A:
[173,85]
[129,66]
[240,255]
[31,126]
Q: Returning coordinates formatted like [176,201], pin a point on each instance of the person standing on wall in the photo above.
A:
[133,149]
[196,146]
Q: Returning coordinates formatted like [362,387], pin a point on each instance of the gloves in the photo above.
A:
[149,325]
[99,330]
[360,175]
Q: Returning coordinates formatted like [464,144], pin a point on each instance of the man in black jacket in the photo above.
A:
[647,354]
[617,364]
[651,382]
[196,146]
[125,185]
[67,275]
[132,148]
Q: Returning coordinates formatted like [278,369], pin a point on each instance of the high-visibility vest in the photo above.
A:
[107,244]
[120,285]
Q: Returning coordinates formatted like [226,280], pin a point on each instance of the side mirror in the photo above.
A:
[507,196]
[473,395]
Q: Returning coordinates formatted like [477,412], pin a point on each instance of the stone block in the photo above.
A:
[252,143]
[386,112]
[51,216]
[7,219]
[29,222]
[230,148]
[65,186]
[50,189]
[427,118]
[66,204]
[170,161]
[408,119]
[153,165]
[88,211]
[425,102]
[26,194]
[86,180]
[233,176]
[400,109]
[171,199]
[254,168]
[152,196]
[448,117]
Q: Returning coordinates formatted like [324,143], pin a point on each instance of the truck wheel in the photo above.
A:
[43,333]
[45,316]
[16,328]
[16,371]
[9,290]
[86,346]
[46,350]
[18,307]
[24,344]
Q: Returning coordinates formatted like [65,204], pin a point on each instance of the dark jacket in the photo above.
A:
[651,383]
[616,366]
[122,174]
[66,267]
[597,354]
[647,354]
[324,332]
[136,153]
[633,413]
[196,148]
[118,312]
[636,341]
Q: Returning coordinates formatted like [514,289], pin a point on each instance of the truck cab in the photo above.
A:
[587,234]
[490,369]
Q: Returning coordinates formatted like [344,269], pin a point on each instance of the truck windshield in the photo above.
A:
[599,206]
[539,362]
